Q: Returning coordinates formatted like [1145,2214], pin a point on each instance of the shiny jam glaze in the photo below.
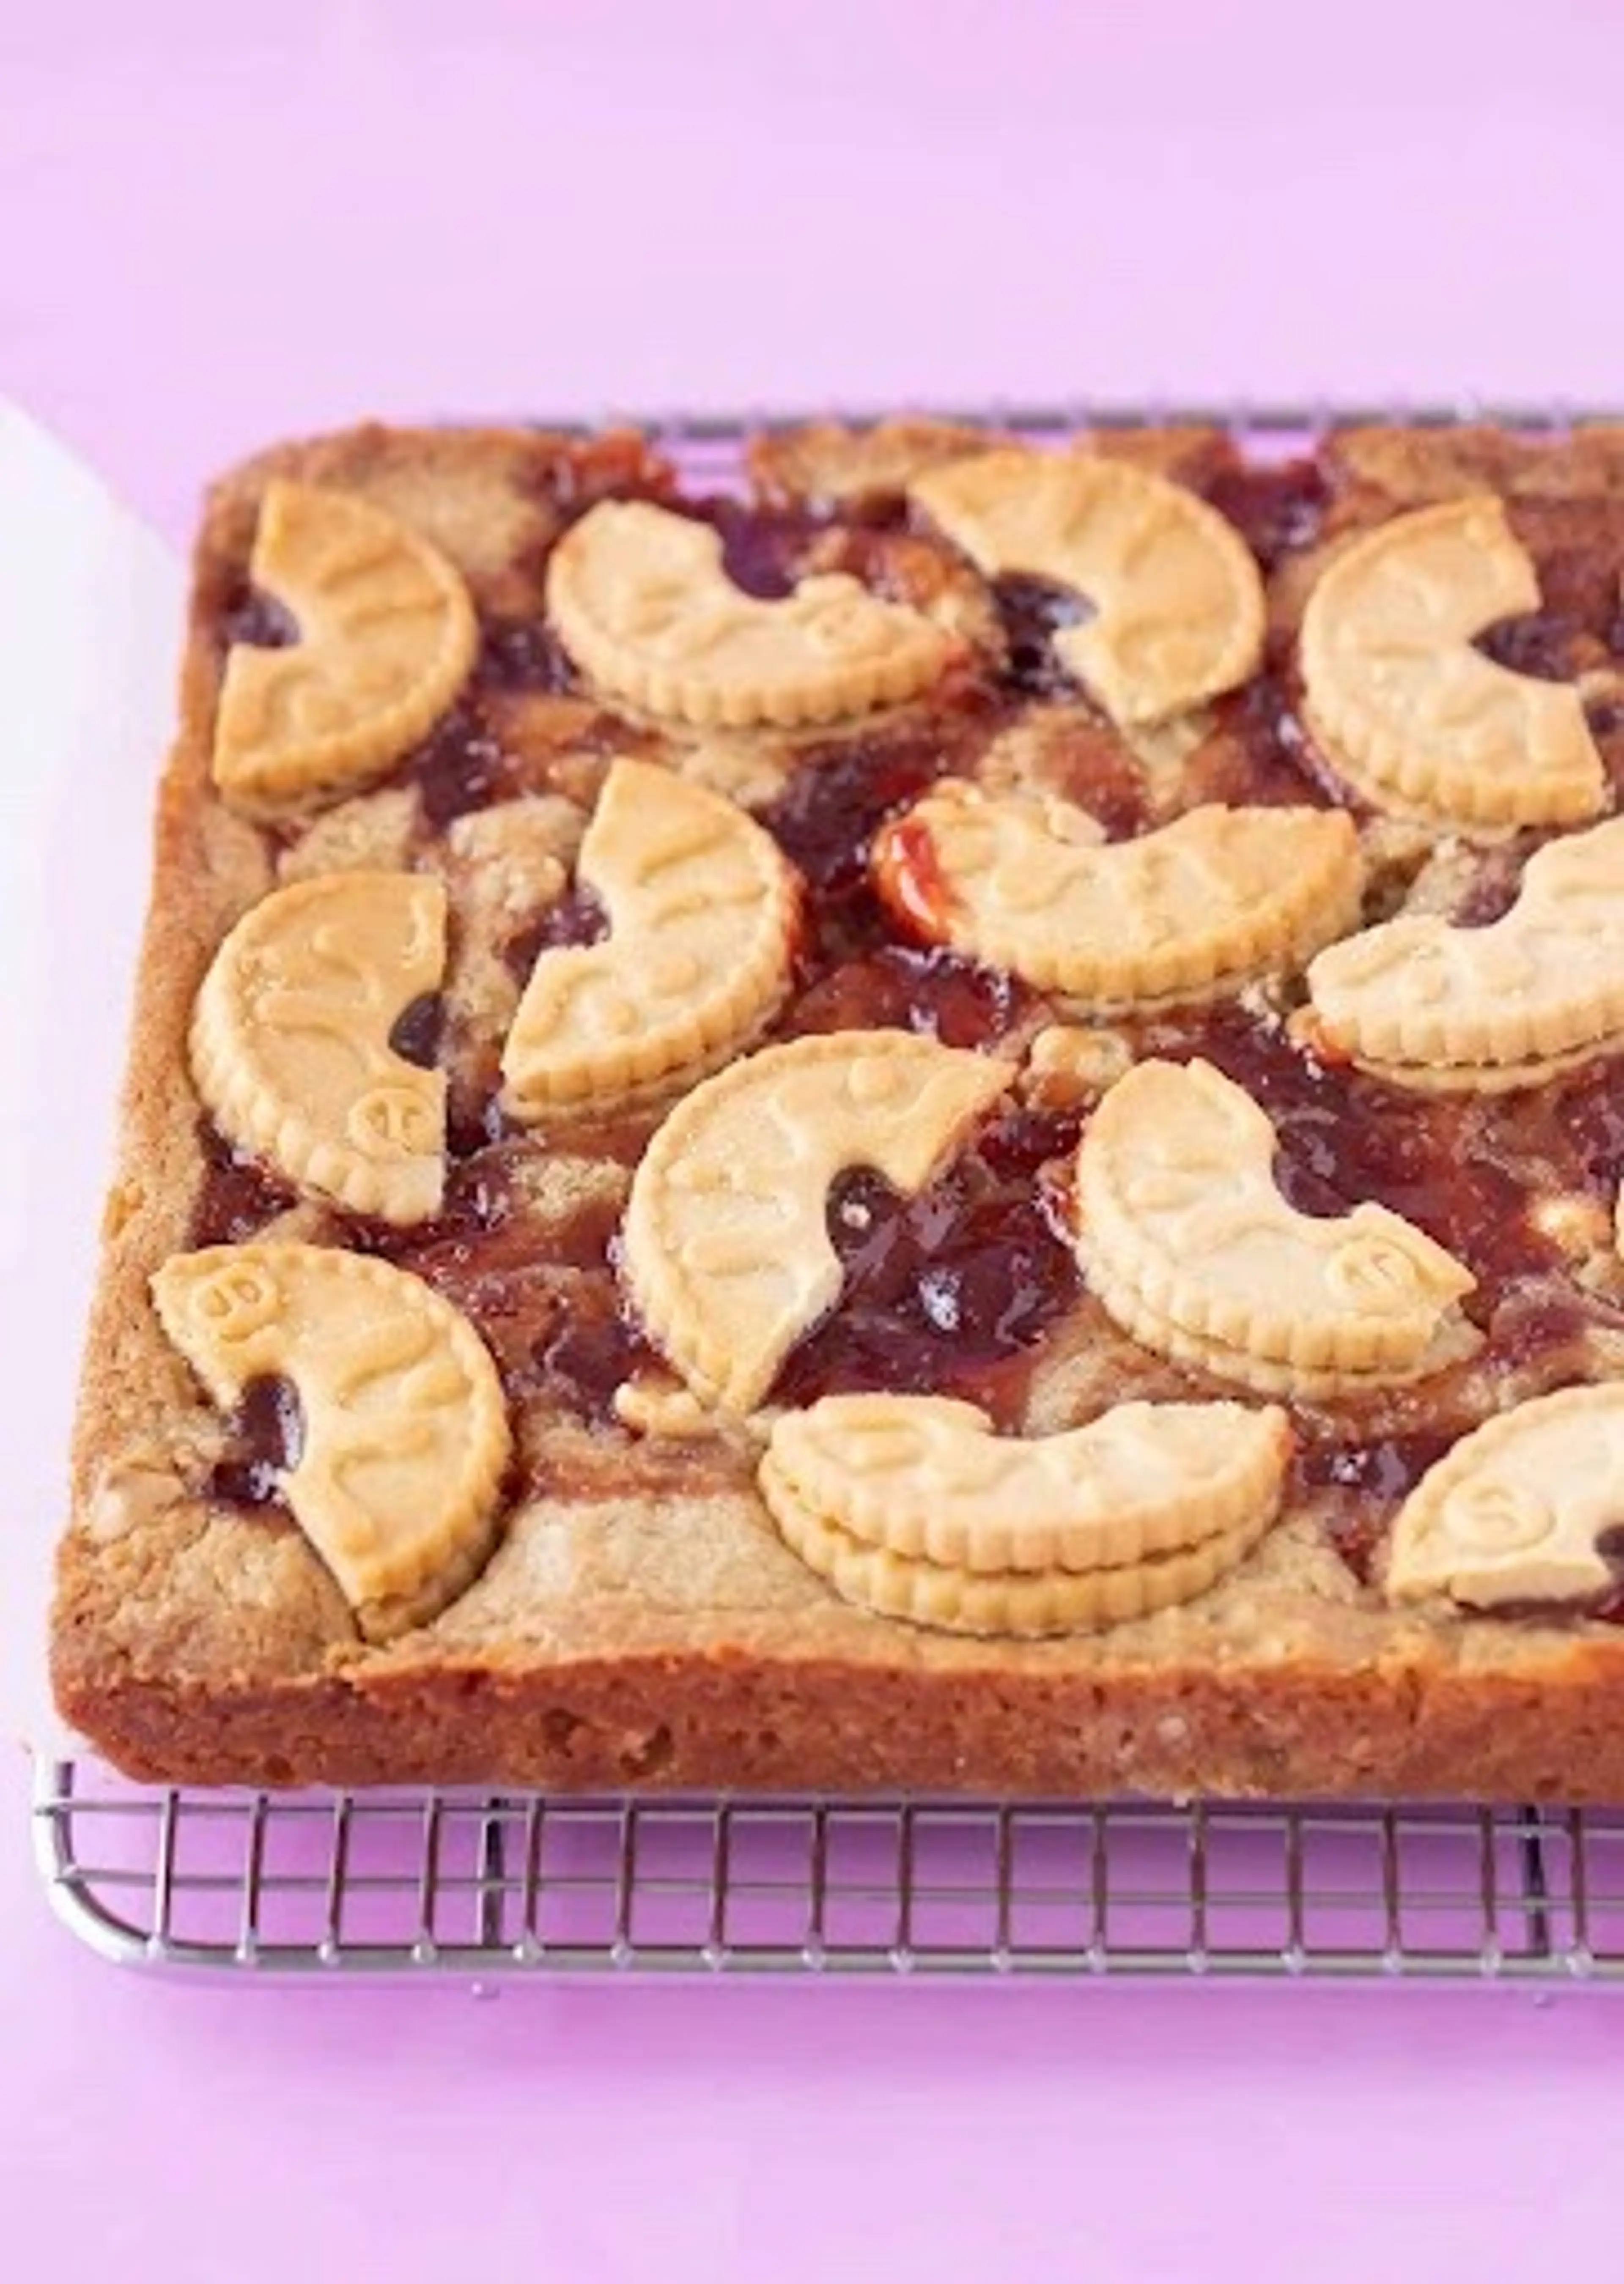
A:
[474,1118]
[908,873]
[768,550]
[1545,644]
[1367,1482]
[950,1292]
[764,549]
[825,822]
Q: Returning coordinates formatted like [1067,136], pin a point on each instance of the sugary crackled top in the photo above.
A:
[988,997]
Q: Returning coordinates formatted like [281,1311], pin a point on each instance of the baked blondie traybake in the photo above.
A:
[955,1123]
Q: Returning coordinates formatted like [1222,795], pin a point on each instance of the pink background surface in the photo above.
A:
[219,224]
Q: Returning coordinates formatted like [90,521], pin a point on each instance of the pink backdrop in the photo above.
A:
[219,223]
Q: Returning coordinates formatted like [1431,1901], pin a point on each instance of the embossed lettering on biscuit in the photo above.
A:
[644,606]
[1177,598]
[405,1436]
[911,1506]
[1193,910]
[387,638]
[727,1246]
[1417,997]
[1408,710]
[1187,1242]
[1518,1510]
[701,911]
[290,1040]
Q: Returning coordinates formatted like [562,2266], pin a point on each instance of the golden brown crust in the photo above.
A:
[194,1643]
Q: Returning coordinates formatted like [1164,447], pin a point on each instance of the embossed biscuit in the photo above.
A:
[1545,981]
[701,911]
[1192,910]
[291,1031]
[1017,1603]
[405,1432]
[1405,706]
[1177,598]
[1454,1341]
[1518,1510]
[926,1476]
[387,636]
[727,1247]
[644,606]
[1181,1224]
[1481,1078]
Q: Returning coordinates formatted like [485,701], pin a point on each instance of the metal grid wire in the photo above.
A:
[487,1885]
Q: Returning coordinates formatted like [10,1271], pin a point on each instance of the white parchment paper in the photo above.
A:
[92,612]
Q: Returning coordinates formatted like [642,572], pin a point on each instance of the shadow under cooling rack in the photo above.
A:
[484,1886]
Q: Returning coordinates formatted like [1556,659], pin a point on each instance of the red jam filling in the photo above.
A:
[264,1438]
[934,993]
[1260,754]
[1277,510]
[522,655]
[248,614]
[910,878]
[460,767]
[1033,611]
[541,1292]
[840,795]
[950,1292]
[238,1194]
[577,919]
[420,1031]
[763,549]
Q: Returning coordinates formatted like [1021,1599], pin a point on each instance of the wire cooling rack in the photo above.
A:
[484,1886]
